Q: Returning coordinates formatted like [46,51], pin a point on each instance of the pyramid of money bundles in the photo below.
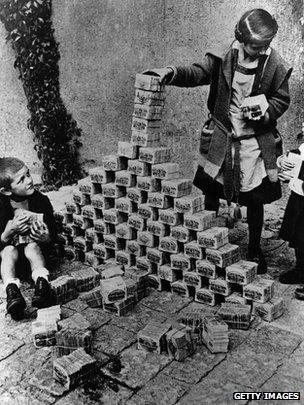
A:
[136,222]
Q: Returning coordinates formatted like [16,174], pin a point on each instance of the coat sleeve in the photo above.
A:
[279,100]
[197,74]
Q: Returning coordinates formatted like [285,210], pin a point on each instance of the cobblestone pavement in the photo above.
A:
[267,357]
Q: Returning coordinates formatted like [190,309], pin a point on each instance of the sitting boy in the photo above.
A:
[18,201]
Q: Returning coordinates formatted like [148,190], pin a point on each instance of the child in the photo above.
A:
[292,229]
[19,201]
[238,155]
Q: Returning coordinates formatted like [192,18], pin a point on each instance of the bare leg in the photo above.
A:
[34,254]
[9,257]
[15,303]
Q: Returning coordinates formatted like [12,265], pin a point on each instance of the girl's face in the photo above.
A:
[255,50]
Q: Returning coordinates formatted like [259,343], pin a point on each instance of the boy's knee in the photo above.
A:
[9,252]
[32,249]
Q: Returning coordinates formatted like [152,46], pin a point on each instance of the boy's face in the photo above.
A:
[22,183]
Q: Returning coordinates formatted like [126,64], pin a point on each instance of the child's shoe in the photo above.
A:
[43,295]
[293,276]
[15,303]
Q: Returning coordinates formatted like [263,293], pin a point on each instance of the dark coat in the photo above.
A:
[217,69]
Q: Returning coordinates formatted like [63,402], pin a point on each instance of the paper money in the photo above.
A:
[224,256]
[155,155]
[114,163]
[70,369]
[86,279]
[189,204]
[242,272]
[199,221]
[260,290]
[269,311]
[127,149]
[145,139]
[101,176]
[139,168]
[170,217]
[125,178]
[113,289]
[213,238]
[237,316]
[153,337]
[64,288]
[69,340]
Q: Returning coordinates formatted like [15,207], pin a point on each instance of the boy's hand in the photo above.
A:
[164,74]
[40,232]
[20,224]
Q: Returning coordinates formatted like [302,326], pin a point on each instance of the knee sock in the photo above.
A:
[43,272]
[255,217]
[12,280]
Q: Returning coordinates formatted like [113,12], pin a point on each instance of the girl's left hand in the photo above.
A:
[40,232]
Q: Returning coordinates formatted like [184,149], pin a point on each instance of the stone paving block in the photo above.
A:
[281,383]
[210,391]
[165,301]
[102,358]
[193,368]
[237,337]
[21,365]
[162,390]
[20,395]
[194,306]
[250,370]
[138,318]
[75,305]
[138,367]
[272,342]
[292,318]
[293,365]
[43,379]
[9,345]
[66,312]
[112,340]
[106,396]
[96,317]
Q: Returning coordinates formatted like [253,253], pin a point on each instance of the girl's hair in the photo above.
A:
[9,166]
[256,26]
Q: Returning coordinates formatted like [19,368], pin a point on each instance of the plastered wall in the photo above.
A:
[103,43]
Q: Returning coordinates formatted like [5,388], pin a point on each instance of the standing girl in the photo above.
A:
[237,154]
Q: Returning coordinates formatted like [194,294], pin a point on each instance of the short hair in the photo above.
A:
[9,166]
[257,26]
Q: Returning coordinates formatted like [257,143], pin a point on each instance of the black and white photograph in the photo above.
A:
[151,202]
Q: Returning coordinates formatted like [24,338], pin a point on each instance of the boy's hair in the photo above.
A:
[9,166]
[256,26]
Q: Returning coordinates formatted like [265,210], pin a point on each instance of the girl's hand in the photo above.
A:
[165,74]
[40,232]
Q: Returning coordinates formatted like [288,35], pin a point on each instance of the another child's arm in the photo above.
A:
[284,165]
[194,75]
